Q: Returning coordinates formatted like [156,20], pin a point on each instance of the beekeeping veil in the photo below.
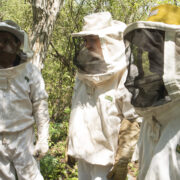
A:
[110,32]
[13,28]
[153,51]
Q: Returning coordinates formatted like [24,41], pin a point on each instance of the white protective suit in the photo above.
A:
[23,103]
[100,101]
[155,88]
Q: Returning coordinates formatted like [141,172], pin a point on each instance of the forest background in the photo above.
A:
[56,60]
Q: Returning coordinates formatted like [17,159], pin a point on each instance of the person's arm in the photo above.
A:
[39,97]
[127,140]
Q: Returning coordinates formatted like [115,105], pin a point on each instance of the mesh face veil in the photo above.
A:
[13,28]
[152,52]
[87,61]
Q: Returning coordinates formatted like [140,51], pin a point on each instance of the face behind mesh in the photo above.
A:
[87,61]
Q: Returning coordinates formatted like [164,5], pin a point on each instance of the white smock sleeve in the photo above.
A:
[124,102]
[39,97]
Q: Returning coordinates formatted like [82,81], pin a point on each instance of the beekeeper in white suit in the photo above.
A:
[23,103]
[100,102]
[155,88]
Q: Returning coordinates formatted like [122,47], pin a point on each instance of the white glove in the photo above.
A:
[41,116]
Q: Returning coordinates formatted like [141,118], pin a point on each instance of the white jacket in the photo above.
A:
[99,104]
[23,98]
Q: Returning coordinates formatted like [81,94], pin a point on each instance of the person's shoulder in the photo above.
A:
[31,67]
[32,71]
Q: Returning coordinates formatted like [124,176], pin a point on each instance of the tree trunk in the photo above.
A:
[44,16]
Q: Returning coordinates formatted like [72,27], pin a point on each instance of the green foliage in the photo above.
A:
[60,90]
[53,165]
[18,11]
[58,131]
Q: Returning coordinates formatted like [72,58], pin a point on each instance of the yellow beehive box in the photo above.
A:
[166,13]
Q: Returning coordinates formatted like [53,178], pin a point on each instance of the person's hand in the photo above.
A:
[118,171]
[40,150]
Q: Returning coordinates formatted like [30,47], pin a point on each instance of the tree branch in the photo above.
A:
[61,57]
